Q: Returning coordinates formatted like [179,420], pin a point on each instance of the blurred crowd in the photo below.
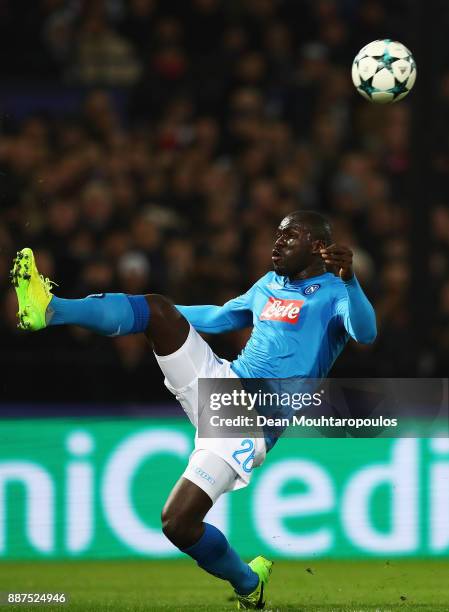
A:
[202,124]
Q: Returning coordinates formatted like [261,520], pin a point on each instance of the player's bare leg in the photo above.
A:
[183,513]
[205,479]
[167,329]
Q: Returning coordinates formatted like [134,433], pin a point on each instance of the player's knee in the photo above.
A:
[177,528]
[161,308]
[172,525]
[159,304]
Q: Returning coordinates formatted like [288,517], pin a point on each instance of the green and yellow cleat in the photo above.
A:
[33,291]
[256,599]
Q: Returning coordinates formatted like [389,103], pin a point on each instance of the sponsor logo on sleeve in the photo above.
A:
[281,310]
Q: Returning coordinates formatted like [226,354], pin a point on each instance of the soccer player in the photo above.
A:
[302,317]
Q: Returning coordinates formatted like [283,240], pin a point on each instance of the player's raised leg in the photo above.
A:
[205,479]
[109,314]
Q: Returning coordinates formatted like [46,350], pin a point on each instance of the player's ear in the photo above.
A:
[317,245]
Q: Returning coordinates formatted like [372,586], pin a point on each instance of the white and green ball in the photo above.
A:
[384,71]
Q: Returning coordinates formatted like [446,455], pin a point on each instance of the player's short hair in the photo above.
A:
[318,224]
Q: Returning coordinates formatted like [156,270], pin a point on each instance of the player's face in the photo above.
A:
[293,248]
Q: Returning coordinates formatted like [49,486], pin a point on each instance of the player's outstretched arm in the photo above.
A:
[359,318]
[356,311]
[233,315]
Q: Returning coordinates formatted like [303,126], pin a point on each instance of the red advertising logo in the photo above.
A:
[281,310]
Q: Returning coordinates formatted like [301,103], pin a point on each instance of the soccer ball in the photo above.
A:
[384,71]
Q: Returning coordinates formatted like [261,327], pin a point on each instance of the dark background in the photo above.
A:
[154,146]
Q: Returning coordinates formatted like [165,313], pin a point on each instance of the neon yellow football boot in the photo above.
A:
[256,599]
[33,291]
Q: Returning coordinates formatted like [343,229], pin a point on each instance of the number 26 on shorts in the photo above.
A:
[248,450]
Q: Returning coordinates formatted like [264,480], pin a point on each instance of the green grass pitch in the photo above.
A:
[308,586]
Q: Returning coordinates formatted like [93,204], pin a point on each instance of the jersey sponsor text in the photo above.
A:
[281,310]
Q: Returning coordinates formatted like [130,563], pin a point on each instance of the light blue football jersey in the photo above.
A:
[299,327]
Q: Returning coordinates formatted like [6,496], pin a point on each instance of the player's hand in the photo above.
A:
[340,257]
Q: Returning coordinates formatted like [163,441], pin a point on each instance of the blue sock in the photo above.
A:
[109,314]
[213,553]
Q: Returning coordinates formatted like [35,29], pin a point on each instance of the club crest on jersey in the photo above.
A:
[281,310]
[311,289]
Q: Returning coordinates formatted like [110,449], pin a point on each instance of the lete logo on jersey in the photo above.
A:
[281,310]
